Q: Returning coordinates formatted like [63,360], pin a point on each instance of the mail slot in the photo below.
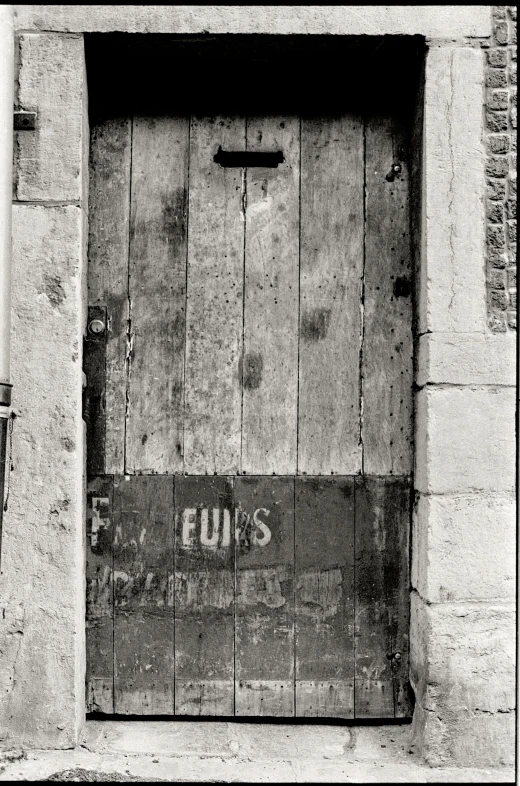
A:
[247,158]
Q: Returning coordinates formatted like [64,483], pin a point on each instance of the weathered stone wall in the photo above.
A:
[463,532]
[42,589]
[463,552]
[501,170]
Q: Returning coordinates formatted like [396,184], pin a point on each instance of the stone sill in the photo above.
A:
[197,751]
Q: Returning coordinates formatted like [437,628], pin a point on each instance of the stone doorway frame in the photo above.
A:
[465,399]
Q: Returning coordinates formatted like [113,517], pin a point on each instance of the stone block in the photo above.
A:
[498,299]
[498,100]
[465,439]
[497,322]
[496,77]
[496,121]
[464,654]
[497,58]
[495,212]
[42,625]
[453,739]
[501,33]
[52,82]
[496,189]
[495,238]
[463,671]
[496,278]
[466,359]
[438,22]
[464,547]
[497,166]
[452,286]
[499,143]
[496,260]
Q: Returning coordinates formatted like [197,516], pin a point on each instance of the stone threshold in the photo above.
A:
[226,752]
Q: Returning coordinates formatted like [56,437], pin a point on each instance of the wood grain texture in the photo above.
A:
[264,611]
[330,295]
[109,211]
[382,597]
[212,425]
[271,594]
[143,595]
[100,608]
[387,346]
[94,395]
[157,292]
[204,596]
[270,363]
[324,576]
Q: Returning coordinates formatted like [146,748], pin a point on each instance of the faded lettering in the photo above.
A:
[188,526]
[97,520]
[226,529]
[211,528]
[205,539]
[320,592]
[264,537]
[262,585]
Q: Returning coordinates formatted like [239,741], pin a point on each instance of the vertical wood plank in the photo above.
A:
[330,295]
[382,597]
[99,609]
[387,346]
[157,292]
[264,614]
[109,209]
[94,395]
[204,596]
[212,432]
[324,576]
[143,595]
[270,364]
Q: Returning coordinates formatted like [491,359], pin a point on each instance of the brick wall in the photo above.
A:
[501,170]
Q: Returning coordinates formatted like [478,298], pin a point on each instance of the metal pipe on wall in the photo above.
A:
[6,165]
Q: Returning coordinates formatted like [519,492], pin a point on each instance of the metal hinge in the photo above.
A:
[24,121]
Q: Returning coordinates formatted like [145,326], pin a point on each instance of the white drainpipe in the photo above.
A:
[6,165]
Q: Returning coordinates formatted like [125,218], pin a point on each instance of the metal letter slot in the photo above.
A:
[245,158]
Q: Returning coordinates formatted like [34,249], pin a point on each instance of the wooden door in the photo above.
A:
[248,408]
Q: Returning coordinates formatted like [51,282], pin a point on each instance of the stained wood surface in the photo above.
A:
[157,294]
[264,610]
[331,272]
[230,350]
[204,596]
[212,417]
[109,210]
[382,596]
[143,595]
[324,593]
[387,346]
[271,260]
[100,606]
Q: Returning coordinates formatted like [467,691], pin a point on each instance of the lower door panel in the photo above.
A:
[248,596]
